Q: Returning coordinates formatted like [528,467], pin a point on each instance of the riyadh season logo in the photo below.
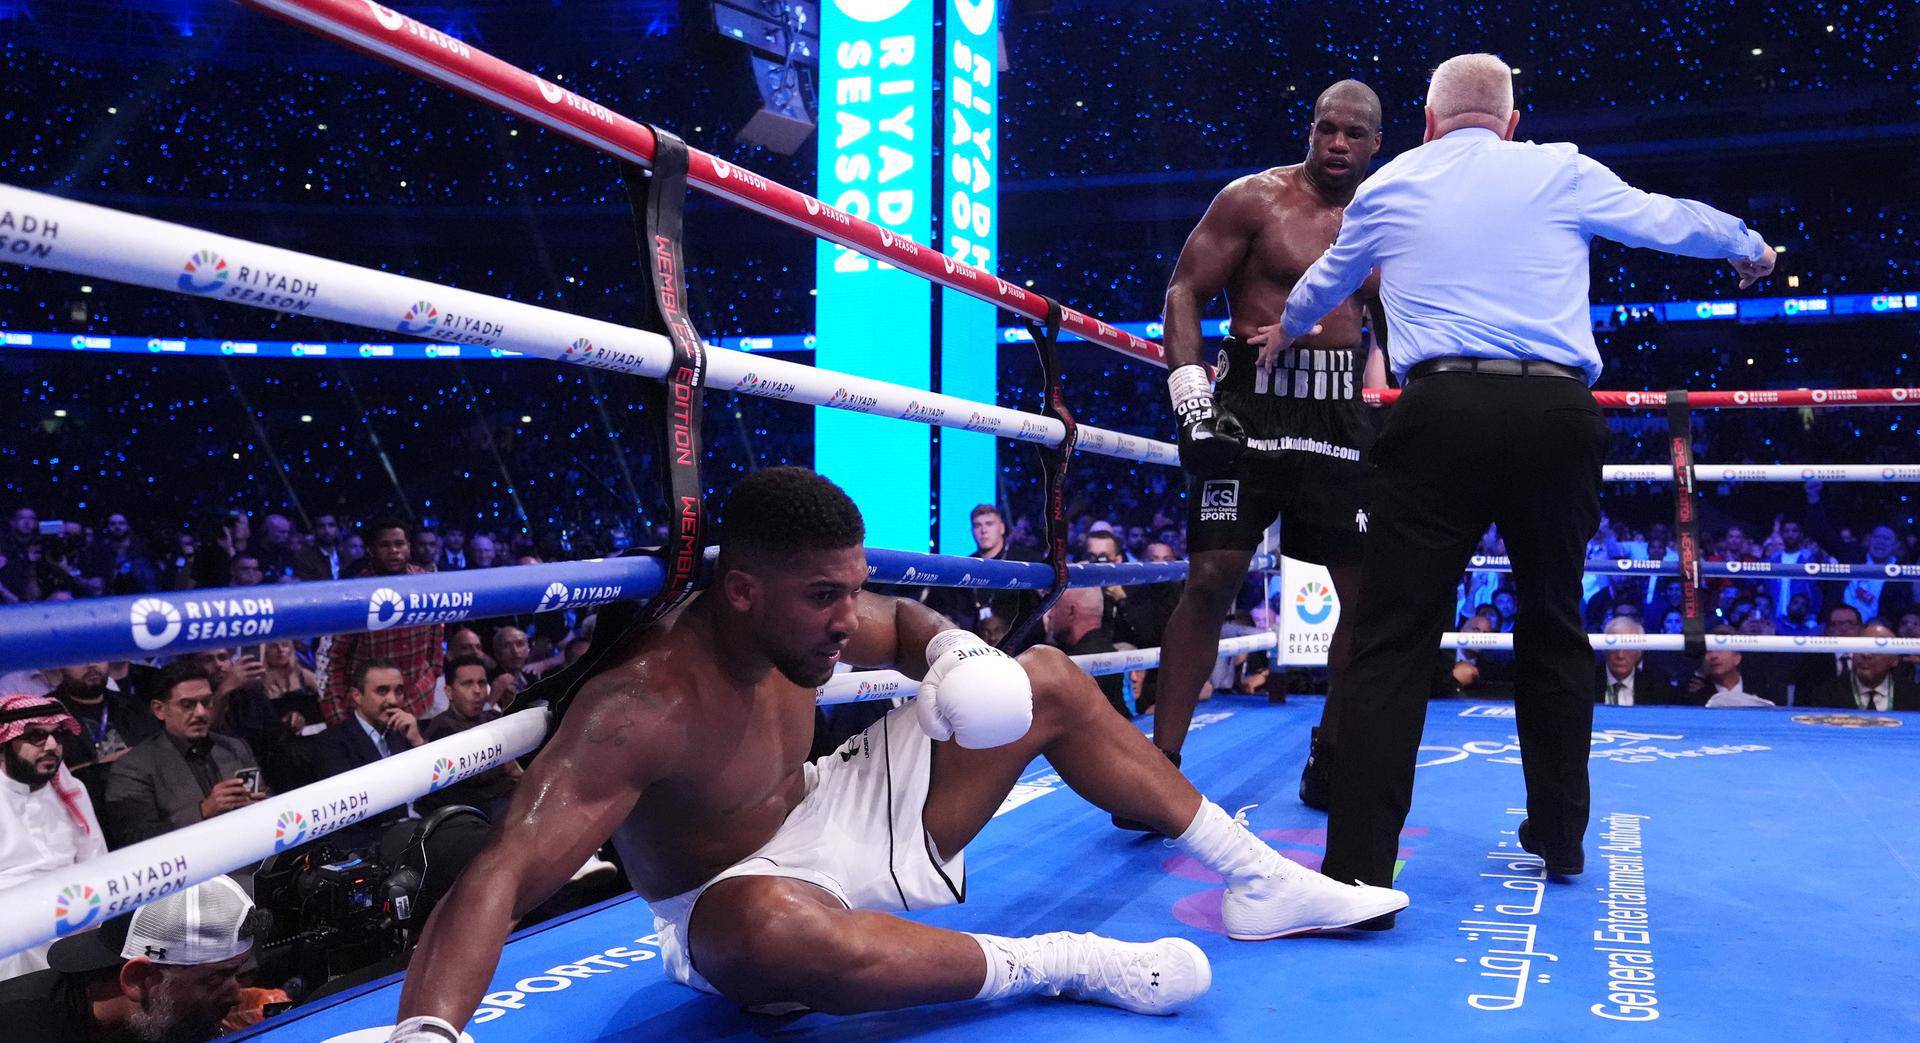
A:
[389,19]
[723,169]
[580,346]
[289,830]
[75,909]
[155,623]
[420,318]
[554,597]
[204,272]
[1313,603]
[553,92]
[442,773]
[384,608]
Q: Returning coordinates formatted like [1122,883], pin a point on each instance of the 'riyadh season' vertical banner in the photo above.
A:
[970,191]
[876,162]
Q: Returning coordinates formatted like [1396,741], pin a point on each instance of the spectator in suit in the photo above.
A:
[453,549]
[46,818]
[416,651]
[1475,673]
[1815,669]
[378,728]
[1870,683]
[324,558]
[1719,683]
[1870,597]
[1074,626]
[1621,680]
[467,693]
[483,551]
[183,775]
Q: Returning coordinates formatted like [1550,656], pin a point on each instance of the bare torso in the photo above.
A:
[737,774]
[1293,226]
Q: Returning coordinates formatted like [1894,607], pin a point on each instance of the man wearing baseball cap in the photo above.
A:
[47,821]
[166,972]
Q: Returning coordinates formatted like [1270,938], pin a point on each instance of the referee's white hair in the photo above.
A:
[1471,83]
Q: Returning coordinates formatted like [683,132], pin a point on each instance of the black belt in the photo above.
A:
[1495,367]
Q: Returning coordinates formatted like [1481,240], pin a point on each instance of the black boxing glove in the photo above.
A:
[1211,439]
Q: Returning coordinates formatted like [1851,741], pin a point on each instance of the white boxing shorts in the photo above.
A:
[857,834]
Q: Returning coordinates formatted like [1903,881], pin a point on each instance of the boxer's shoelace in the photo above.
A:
[1116,968]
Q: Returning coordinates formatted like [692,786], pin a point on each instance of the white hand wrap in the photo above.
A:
[974,693]
[1191,389]
[425,1030]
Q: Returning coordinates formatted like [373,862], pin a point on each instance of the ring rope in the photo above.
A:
[112,244]
[1749,399]
[56,633]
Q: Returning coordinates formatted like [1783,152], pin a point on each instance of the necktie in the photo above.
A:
[1872,699]
[1845,662]
[1613,697]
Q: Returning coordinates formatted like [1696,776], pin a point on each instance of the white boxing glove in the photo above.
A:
[426,1030]
[974,693]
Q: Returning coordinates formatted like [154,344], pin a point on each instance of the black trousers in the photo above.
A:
[1460,451]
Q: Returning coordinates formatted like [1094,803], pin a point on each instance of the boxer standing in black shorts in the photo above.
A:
[1290,444]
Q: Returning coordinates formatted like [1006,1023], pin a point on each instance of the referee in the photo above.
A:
[1481,243]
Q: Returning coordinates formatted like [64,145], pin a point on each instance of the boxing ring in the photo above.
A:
[1694,895]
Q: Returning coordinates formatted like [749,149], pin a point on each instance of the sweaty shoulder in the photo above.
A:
[1252,191]
[636,708]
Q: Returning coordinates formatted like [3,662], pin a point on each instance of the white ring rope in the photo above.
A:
[1767,472]
[111,244]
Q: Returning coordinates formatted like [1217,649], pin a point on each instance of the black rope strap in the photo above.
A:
[1686,522]
[1054,461]
[657,199]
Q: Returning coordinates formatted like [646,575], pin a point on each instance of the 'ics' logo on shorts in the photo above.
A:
[1220,500]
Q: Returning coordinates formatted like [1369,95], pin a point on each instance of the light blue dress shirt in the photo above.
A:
[1482,248]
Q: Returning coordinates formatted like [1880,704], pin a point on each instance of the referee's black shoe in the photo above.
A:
[1316,777]
[1138,826]
[1559,863]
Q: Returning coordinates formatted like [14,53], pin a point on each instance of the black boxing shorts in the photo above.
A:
[1312,433]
